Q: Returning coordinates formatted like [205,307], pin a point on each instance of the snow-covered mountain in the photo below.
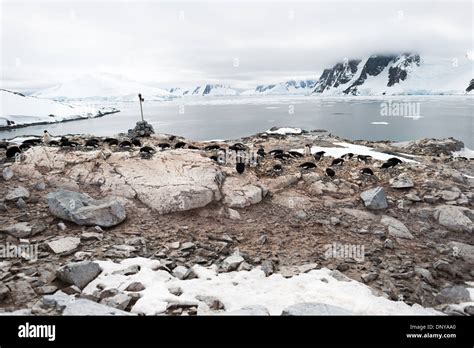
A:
[397,74]
[288,87]
[204,90]
[17,109]
[100,88]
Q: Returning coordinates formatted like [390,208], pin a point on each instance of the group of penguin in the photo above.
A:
[306,166]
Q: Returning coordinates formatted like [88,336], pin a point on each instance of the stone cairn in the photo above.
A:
[142,129]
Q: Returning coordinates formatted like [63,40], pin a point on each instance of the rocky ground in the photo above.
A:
[414,221]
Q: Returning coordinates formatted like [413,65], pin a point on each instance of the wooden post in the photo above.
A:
[141,108]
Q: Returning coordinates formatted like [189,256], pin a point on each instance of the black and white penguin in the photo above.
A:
[337,161]
[3,146]
[364,158]
[388,164]
[24,146]
[282,156]
[46,137]
[192,147]
[348,155]
[367,171]
[395,160]
[277,168]
[307,150]
[330,172]
[125,144]
[318,155]
[12,151]
[136,142]
[31,142]
[111,141]
[53,143]
[147,149]
[239,165]
[163,146]
[92,143]
[307,165]
[238,147]
[211,147]
[261,152]
[295,154]
[276,152]
[179,145]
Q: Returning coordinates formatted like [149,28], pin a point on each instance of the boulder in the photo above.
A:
[239,193]
[84,210]
[466,251]
[454,218]
[232,262]
[312,308]
[396,228]
[375,198]
[455,294]
[79,273]
[7,173]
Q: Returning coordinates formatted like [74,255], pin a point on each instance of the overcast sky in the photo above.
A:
[239,43]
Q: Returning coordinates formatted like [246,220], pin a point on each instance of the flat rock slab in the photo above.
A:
[454,218]
[17,193]
[84,210]
[172,180]
[64,245]
[396,228]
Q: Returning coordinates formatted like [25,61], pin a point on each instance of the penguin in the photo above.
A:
[136,142]
[395,160]
[163,146]
[330,172]
[12,151]
[179,145]
[282,156]
[261,152]
[92,143]
[111,141]
[320,153]
[46,137]
[277,168]
[3,146]
[276,152]
[238,147]
[192,147]
[147,149]
[53,143]
[388,164]
[337,161]
[25,146]
[364,158]
[214,158]
[125,144]
[307,150]
[295,154]
[367,171]
[31,142]
[172,137]
[65,142]
[240,165]
[211,147]
[307,165]
[348,155]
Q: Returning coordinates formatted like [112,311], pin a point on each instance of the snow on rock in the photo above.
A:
[246,289]
[17,109]
[284,130]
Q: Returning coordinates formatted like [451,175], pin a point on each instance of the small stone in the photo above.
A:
[301,215]
[17,193]
[212,302]
[135,287]
[187,246]
[40,186]
[174,245]
[7,173]
[91,236]
[335,220]
[233,214]
[18,230]
[119,301]
[232,262]
[396,228]
[65,245]
[3,207]
[62,226]
[388,244]
[21,204]
[262,239]
[267,268]
[175,290]
[179,272]
[401,182]
[369,277]
[130,270]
